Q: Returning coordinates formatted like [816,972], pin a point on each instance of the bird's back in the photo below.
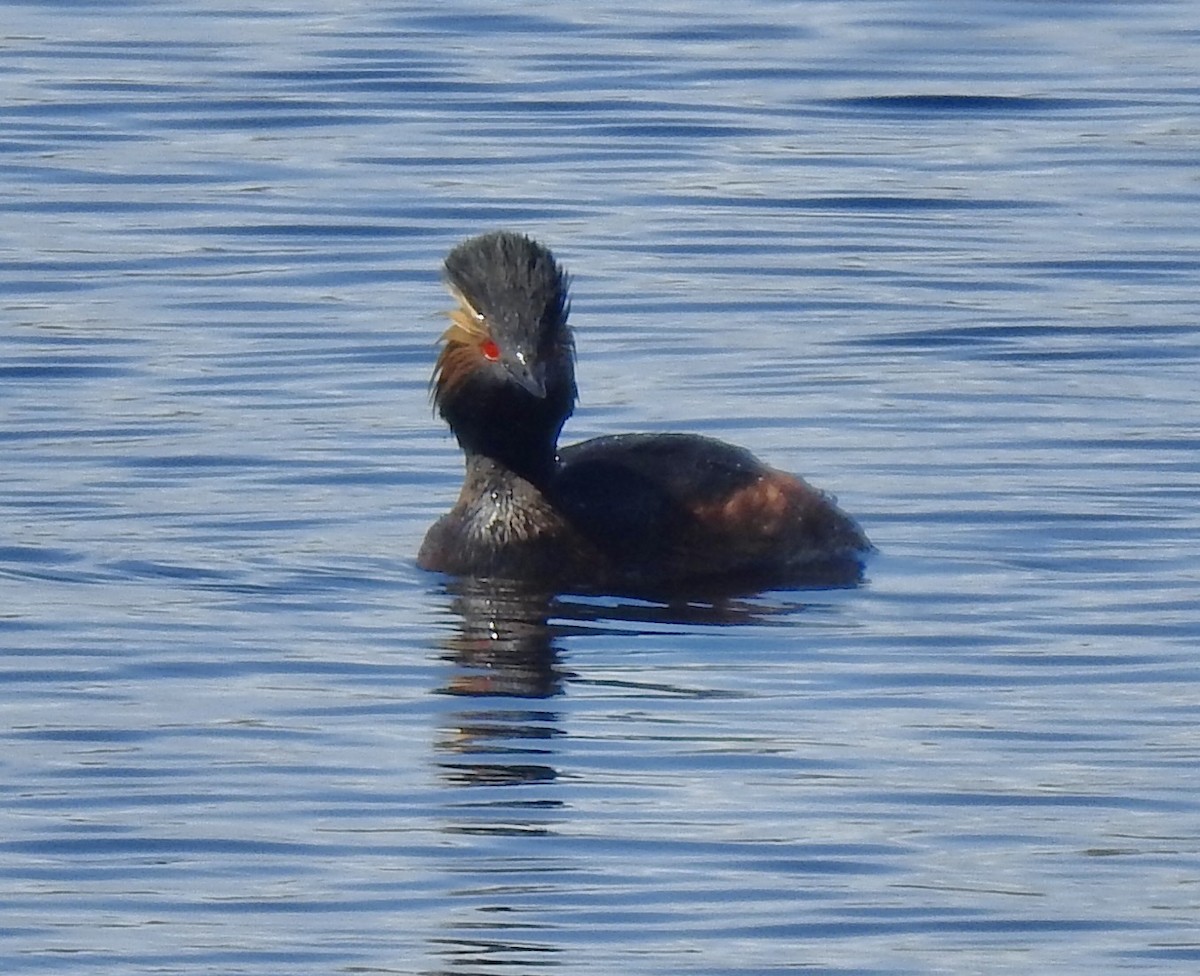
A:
[674,507]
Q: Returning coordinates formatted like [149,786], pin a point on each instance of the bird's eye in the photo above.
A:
[491,351]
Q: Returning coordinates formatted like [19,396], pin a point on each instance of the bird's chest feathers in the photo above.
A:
[509,515]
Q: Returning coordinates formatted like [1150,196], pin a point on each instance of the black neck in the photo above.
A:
[517,432]
[534,465]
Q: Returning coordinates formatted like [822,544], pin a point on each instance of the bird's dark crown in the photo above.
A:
[505,378]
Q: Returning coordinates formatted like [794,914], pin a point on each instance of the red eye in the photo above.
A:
[491,351]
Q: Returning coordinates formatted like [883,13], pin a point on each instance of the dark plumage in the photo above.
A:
[635,510]
[505,379]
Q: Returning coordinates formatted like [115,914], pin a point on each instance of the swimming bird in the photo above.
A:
[630,511]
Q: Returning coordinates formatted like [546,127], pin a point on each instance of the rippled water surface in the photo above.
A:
[942,259]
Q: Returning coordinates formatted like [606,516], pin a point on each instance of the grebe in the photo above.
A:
[625,511]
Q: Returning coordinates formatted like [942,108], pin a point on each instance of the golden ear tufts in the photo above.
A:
[454,366]
[467,324]
[459,357]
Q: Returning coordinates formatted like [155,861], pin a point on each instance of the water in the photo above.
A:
[941,260]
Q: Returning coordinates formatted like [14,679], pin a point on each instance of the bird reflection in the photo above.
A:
[498,754]
[505,660]
[502,653]
[504,644]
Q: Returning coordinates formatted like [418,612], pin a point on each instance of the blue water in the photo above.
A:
[940,259]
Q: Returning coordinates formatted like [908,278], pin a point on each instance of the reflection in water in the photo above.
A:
[503,660]
[504,647]
[506,665]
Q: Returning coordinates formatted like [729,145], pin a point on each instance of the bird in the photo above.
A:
[639,512]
